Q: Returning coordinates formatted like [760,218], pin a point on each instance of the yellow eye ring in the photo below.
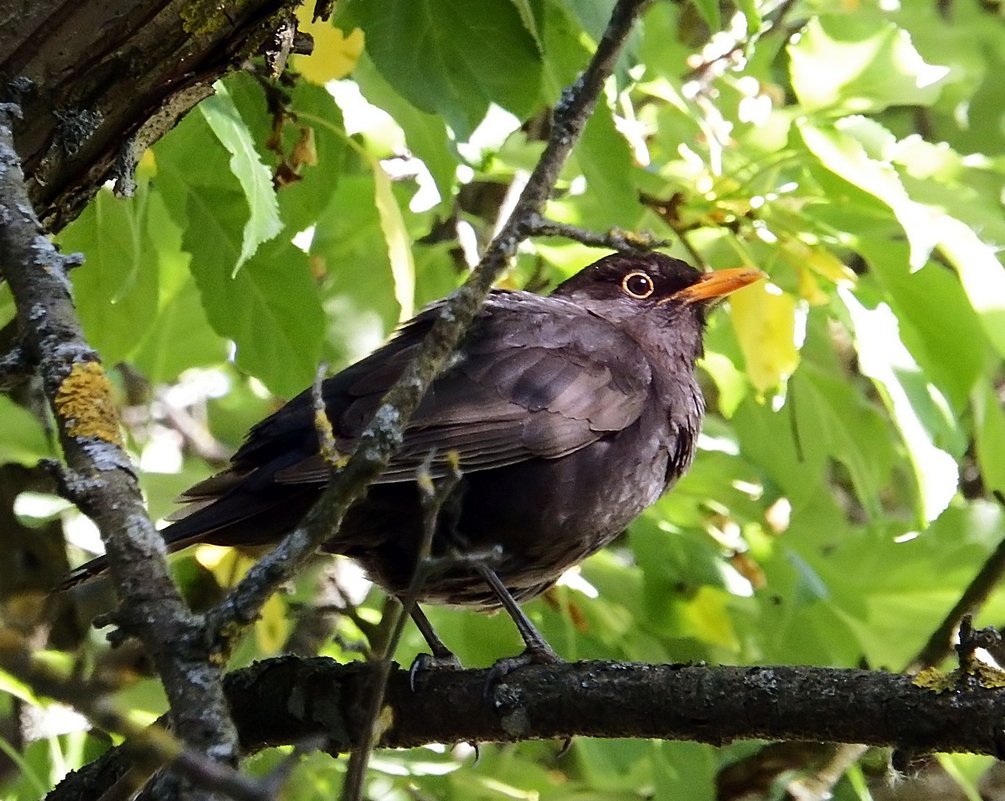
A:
[638,285]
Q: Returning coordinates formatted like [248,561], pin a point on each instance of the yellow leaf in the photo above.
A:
[272,627]
[335,54]
[399,250]
[809,288]
[818,259]
[706,617]
[228,565]
[765,321]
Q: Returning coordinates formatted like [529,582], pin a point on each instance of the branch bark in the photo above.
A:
[101,80]
[98,476]
[289,699]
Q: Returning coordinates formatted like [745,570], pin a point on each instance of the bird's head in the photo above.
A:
[653,292]
[652,281]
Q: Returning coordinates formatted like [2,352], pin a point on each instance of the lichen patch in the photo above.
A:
[84,402]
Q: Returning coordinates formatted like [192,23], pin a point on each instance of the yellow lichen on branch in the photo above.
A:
[84,402]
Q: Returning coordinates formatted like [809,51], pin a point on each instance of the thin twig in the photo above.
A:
[433,497]
[940,644]
[615,239]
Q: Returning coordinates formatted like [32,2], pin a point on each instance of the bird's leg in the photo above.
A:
[536,651]
[441,658]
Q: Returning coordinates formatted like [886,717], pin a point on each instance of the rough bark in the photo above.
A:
[100,80]
[291,700]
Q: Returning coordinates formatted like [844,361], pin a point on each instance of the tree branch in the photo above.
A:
[99,82]
[289,699]
[98,475]
[384,434]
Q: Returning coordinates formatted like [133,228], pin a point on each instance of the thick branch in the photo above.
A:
[101,80]
[288,699]
[98,474]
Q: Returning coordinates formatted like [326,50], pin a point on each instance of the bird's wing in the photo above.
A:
[534,378]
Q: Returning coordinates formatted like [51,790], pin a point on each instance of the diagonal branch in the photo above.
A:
[98,475]
[384,434]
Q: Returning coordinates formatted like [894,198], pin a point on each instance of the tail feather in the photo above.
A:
[238,519]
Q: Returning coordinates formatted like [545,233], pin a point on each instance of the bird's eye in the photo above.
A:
[638,285]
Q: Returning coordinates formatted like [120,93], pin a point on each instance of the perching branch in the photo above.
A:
[288,699]
[98,475]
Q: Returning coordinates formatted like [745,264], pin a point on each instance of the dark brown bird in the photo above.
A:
[570,414]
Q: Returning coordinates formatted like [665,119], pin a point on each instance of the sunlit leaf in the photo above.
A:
[851,63]
[920,412]
[929,303]
[842,152]
[263,221]
[768,327]
[399,251]
[425,134]
[982,275]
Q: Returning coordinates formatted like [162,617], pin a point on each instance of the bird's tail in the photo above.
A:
[238,520]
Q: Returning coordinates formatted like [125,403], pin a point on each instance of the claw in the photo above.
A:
[536,653]
[425,662]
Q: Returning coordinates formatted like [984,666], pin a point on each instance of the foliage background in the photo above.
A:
[843,494]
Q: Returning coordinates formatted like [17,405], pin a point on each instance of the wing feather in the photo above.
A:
[527,383]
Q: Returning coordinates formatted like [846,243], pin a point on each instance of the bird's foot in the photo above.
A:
[445,660]
[536,653]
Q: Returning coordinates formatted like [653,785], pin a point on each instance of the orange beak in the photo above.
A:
[718,284]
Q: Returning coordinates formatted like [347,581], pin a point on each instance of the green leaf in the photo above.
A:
[350,249]
[981,273]
[855,433]
[263,222]
[990,435]
[459,56]
[22,438]
[685,770]
[116,288]
[928,303]
[399,250]
[270,308]
[709,10]
[313,110]
[851,63]
[179,336]
[920,412]
[602,156]
[842,148]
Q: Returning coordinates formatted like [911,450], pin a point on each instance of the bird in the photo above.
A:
[566,415]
